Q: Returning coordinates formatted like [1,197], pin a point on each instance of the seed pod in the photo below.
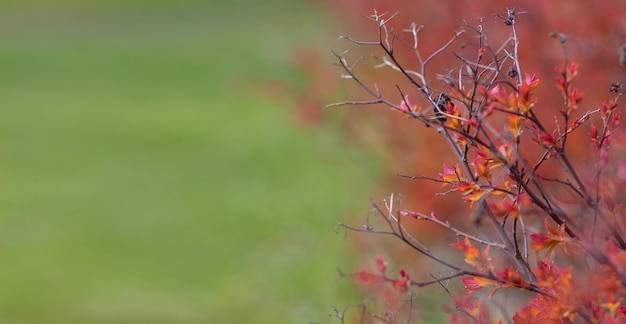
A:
[442,101]
[616,87]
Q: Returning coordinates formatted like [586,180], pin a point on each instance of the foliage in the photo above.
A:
[532,212]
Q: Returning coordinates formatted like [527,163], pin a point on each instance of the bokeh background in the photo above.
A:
[154,171]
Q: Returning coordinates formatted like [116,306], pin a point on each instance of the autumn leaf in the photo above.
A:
[403,283]
[524,93]
[472,308]
[547,139]
[571,71]
[455,122]
[499,96]
[471,192]
[472,254]
[366,278]
[594,134]
[504,208]
[612,307]
[483,166]
[550,240]
[381,264]
[606,108]
[574,97]
[542,241]
[507,155]
[449,175]
[511,279]
[407,105]
[476,283]
[515,125]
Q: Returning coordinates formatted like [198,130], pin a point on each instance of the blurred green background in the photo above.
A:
[148,176]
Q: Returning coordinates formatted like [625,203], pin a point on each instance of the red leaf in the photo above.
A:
[367,278]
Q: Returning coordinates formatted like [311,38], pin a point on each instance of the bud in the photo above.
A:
[594,133]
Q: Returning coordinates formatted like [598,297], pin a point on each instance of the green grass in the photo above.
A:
[147,176]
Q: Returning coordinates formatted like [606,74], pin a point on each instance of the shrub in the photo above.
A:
[532,212]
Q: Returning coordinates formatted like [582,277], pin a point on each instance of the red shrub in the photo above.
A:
[531,174]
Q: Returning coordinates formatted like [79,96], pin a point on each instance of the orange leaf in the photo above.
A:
[515,125]
[407,105]
[511,278]
[504,208]
[476,283]
[471,192]
[550,240]
[472,255]
[402,285]
[449,175]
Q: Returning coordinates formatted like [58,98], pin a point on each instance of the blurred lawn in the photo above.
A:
[147,176]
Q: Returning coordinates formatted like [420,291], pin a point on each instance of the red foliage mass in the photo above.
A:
[593,32]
